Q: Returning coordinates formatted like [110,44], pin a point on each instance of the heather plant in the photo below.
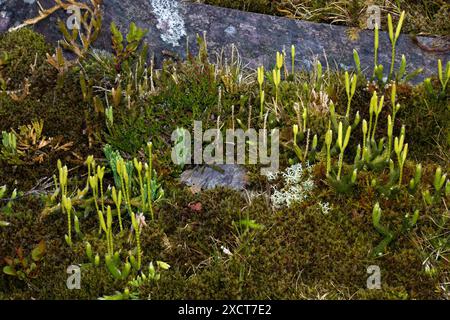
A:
[124,50]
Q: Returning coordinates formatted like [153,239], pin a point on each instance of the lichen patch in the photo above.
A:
[170,21]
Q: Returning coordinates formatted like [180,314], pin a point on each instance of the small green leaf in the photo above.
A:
[68,240]
[391,28]
[4,223]
[38,253]
[163,265]
[347,137]
[251,224]
[9,270]
[415,218]
[2,190]
[399,25]
[112,267]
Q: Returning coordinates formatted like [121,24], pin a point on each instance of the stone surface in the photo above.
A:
[174,23]
[209,177]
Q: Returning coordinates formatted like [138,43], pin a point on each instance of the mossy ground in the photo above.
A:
[300,252]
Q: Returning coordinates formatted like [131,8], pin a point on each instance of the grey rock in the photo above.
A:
[209,177]
[174,23]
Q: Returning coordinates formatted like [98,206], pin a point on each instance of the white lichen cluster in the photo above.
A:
[297,185]
[170,21]
[325,207]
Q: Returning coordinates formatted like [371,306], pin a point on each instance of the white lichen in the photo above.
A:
[170,21]
[296,188]
[325,207]
[272,175]
[226,251]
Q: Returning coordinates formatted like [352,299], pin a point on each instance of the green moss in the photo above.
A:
[297,246]
[58,104]
[426,120]
[50,106]
[25,49]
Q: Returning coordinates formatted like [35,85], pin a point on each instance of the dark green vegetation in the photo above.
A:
[373,206]
[423,17]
